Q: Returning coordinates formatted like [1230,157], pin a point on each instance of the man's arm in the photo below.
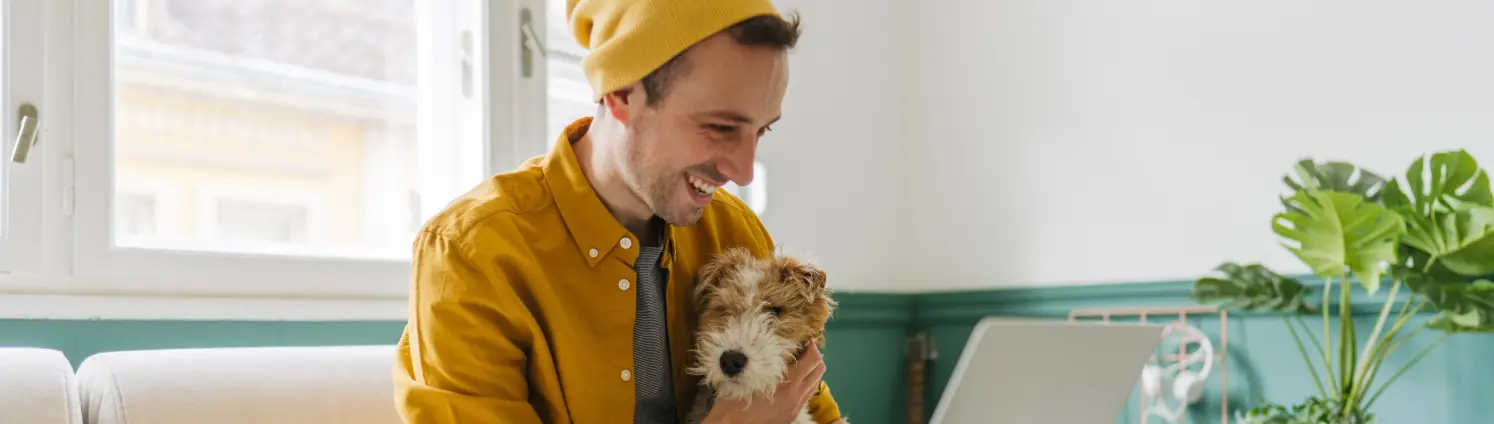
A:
[461,358]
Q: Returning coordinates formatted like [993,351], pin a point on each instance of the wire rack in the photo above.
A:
[1221,354]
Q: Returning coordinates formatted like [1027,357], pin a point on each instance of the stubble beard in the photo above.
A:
[660,190]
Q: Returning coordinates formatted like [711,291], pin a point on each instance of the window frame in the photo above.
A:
[23,186]
[79,195]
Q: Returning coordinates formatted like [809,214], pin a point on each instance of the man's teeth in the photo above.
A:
[701,186]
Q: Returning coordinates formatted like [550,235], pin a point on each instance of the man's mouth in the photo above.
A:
[700,186]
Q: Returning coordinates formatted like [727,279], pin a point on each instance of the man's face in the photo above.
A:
[705,129]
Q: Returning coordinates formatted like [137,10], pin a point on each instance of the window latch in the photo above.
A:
[25,133]
[530,42]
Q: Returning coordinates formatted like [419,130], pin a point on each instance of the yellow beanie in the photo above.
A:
[628,39]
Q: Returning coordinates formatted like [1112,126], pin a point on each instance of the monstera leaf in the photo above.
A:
[1444,181]
[1333,176]
[1253,288]
[1334,231]
[1461,241]
[1462,307]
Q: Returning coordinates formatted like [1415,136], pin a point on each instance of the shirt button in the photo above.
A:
[622,284]
[593,253]
[626,242]
[626,375]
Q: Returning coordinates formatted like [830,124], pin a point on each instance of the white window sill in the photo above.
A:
[34,300]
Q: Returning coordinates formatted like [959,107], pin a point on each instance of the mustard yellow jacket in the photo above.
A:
[522,307]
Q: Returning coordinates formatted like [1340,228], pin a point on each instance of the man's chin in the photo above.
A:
[683,216]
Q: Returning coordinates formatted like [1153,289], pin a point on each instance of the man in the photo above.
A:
[561,291]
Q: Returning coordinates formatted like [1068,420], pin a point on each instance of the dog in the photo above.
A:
[756,316]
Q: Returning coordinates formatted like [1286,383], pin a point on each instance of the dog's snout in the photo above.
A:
[732,363]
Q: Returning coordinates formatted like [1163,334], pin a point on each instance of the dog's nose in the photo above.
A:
[732,363]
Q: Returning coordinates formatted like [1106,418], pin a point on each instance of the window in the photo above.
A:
[23,230]
[275,220]
[263,149]
[135,215]
[569,92]
[251,148]
[250,221]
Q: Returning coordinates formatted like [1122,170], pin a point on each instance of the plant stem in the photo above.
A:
[1346,340]
[1312,368]
[1386,348]
[1360,373]
[1404,368]
[1327,367]
[1328,335]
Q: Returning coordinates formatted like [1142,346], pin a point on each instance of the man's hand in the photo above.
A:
[787,401]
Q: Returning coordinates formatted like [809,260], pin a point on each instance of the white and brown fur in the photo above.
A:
[766,309]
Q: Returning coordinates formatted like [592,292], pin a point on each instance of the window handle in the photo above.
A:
[26,134]
[529,42]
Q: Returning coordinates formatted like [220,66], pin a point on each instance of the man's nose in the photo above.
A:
[737,165]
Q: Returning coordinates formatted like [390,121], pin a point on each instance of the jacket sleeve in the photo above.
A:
[461,358]
[822,407]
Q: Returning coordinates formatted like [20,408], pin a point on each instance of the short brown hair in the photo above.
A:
[768,31]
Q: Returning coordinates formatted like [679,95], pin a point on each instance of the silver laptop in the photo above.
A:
[1027,371]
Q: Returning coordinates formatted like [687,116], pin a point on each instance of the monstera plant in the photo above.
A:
[1420,243]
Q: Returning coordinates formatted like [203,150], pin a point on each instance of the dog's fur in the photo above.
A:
[769,309]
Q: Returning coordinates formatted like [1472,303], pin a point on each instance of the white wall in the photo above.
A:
[846,215]
[1054,142]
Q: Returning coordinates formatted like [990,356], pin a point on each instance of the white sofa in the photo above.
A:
[37,386]
[280,385]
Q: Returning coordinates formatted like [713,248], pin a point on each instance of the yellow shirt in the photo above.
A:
[517,311]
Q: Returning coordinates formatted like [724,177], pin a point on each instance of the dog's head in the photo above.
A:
[756,316]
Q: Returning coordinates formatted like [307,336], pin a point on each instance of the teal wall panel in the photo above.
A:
[863,353]
[866,352]
[80,338]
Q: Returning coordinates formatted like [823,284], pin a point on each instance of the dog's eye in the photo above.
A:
[776,311]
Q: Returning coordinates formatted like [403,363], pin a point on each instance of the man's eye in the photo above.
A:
[724,129]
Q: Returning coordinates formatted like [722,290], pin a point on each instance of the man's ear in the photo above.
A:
[619,102]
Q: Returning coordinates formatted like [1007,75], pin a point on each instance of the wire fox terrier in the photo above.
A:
[756,317]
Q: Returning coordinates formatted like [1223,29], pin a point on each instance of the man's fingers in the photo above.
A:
[811,384]
[815,374]
[806,363]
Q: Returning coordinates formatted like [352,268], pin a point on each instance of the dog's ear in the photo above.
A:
[715,270]
[813,274]
[806,272]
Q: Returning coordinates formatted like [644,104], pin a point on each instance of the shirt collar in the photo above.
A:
[588,221]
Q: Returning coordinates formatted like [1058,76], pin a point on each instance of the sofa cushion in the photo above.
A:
[37,386]
[282,385]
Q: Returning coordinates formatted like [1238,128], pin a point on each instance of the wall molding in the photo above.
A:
[964,306]
[864,309]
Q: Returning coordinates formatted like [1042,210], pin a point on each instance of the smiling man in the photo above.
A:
[561,291]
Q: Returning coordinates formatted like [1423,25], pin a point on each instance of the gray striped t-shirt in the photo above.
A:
[655,394]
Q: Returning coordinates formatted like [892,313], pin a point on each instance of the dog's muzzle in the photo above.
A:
[732,363]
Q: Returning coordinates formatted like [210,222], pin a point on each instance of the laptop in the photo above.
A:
[1024,371]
